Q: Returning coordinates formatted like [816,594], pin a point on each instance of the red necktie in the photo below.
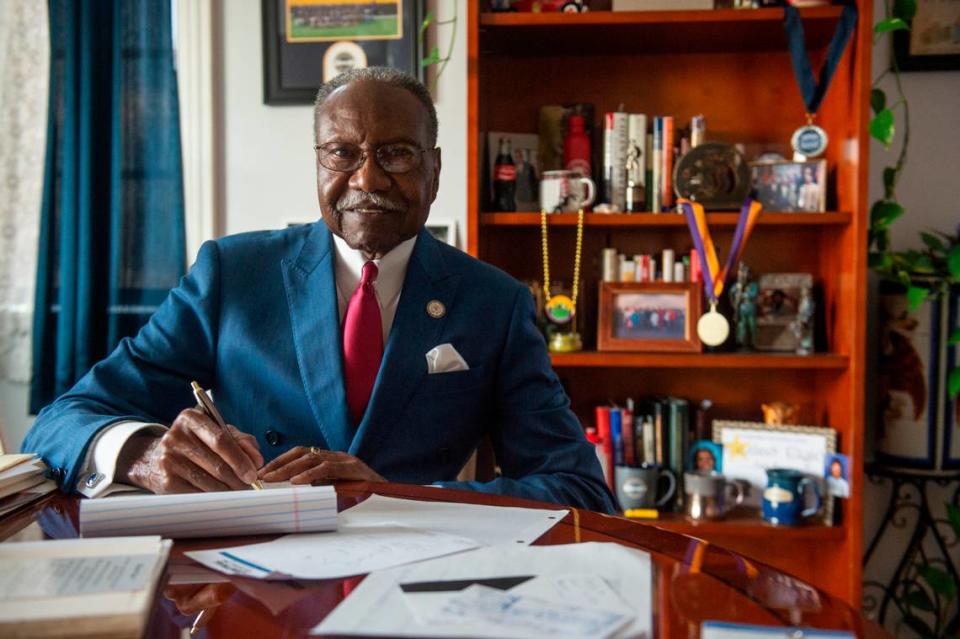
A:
[362,343]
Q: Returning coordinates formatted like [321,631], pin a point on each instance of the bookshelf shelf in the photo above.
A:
[594,32]
[645,220]
[769,361]
[747,528]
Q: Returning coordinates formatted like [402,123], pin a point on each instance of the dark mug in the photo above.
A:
[784,498]
[707,495]
[638,487]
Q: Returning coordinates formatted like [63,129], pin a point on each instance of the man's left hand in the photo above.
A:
[311,465]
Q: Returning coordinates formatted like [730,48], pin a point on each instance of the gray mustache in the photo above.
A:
[361,200]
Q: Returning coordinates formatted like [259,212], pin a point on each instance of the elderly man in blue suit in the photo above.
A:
[356,348]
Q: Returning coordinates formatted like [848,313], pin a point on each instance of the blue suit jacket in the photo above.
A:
[256,321]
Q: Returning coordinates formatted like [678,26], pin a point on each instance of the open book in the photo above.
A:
[79,587]
[275,510]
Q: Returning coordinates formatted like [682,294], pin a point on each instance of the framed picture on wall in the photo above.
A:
[933,41]
[307,42]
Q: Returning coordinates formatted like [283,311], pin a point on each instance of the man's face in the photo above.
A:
[371,209]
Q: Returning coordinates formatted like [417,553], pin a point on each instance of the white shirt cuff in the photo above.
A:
[100,464]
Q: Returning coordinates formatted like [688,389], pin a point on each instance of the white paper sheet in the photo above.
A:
[349,551]
[64,576]
[576,605]
[488,525]
[377,606]
[216,514]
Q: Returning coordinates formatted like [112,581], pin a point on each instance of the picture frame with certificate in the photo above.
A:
[791,187]
[649,317]
[308,42]
[751,448]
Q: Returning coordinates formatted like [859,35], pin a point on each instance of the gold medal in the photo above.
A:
[560,309]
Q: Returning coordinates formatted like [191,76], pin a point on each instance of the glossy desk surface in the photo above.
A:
[693,581]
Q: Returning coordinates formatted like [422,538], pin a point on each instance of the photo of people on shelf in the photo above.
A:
[650,316]
[790,186]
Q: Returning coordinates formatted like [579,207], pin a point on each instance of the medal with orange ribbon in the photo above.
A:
[713,328]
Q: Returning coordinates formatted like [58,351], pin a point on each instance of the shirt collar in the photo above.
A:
[392,268]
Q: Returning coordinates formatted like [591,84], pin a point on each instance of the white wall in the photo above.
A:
[927,187]
[268,160]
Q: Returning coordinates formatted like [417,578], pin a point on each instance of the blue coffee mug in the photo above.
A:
[785,496]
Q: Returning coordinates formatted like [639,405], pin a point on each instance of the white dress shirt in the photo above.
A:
[97,474]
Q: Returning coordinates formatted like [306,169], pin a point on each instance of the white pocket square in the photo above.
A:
[445,359]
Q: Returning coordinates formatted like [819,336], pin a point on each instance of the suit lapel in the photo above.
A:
[312,298]
[414,332]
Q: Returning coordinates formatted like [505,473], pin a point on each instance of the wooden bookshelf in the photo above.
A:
[733,67]
[767,361]
[641,220]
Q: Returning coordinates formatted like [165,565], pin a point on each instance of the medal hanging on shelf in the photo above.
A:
[560,309]
[713,328]
[810,140]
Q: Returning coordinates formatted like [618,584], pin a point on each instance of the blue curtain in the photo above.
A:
[112,230]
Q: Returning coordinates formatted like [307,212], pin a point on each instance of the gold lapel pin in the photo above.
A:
[436,309]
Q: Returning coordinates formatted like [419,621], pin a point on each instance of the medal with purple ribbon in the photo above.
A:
[713,328]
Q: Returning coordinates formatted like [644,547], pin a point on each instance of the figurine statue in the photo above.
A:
[743,297]
[803,324]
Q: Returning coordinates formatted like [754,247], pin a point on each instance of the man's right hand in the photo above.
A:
[194,455]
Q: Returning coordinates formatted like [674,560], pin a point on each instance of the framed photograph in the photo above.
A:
[523,148]
[649,316]
[933,41]
[750,448]
[307,42]
[780,326]
[442,229]
[791,187]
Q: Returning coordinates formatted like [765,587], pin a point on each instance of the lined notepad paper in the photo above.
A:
[242,512]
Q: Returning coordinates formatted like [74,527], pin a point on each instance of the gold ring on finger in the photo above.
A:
[314,451]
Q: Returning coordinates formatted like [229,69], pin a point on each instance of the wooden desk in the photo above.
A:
[694,581]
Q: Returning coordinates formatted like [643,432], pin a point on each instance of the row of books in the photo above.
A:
[655,431]
[637,165]
[617,267]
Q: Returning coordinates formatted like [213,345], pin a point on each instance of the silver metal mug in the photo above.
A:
[707,495]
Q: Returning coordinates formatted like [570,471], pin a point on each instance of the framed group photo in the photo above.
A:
[308,42]
[649,316]
[791,187]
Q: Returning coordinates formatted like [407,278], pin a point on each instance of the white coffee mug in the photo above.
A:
[565,191]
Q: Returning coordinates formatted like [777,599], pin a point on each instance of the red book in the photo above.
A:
[696,275]
[603,430]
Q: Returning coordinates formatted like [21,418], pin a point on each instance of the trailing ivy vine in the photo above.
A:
[935,268]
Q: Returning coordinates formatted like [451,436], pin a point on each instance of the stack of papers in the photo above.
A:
[22,480]
[287,509]
[382,532]
[590,590]
[80,587]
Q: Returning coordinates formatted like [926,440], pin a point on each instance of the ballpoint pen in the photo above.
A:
[195,627]
[206,404]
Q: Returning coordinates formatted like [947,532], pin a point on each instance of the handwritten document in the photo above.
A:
[290,509]
[350,551]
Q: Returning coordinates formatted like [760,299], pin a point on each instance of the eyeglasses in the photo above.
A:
[397,157]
